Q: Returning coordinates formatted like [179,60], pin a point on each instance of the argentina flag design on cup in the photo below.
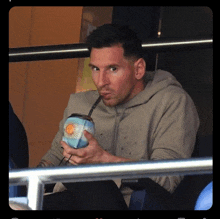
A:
[73,130]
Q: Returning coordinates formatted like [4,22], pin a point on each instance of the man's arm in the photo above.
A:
[175,134]
[45,163]
[93,153]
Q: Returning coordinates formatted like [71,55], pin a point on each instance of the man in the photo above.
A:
[142,115]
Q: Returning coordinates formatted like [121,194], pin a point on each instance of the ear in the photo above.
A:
[140,68]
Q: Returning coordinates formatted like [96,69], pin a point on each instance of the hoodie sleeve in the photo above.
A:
[175,135]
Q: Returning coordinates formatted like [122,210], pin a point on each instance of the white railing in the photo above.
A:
[36,178]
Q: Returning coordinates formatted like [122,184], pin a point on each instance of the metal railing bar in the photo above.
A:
[113,170]
[35,193]
[36,178]
[48,52]
[80,50]
[164,44]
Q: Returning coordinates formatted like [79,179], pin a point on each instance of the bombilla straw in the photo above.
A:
[94,105]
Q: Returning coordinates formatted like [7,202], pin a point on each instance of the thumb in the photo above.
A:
[88,135]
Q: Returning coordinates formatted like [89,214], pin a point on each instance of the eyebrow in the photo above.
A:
[108,66]
[91,65]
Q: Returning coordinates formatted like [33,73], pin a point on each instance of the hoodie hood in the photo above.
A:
[161,80]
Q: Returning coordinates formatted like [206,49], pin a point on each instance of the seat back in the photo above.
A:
[205,199]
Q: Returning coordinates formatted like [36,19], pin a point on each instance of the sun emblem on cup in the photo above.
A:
[70,128]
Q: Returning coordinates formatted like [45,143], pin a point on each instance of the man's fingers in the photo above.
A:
[89,136]
[68,149]
[70,160]
[72,151]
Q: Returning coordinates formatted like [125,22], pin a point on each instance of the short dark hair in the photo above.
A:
[109,35]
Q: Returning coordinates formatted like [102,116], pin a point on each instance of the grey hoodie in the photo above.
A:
[161,122]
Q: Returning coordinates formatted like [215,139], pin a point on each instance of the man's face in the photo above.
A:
[113,75]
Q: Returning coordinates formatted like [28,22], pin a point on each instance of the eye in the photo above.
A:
[94,68]
[113,69]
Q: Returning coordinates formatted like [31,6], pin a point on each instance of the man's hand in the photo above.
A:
[93,153]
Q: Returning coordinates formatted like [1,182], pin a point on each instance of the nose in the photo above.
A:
[103,79]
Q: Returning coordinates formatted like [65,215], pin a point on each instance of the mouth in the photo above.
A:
[106,95]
